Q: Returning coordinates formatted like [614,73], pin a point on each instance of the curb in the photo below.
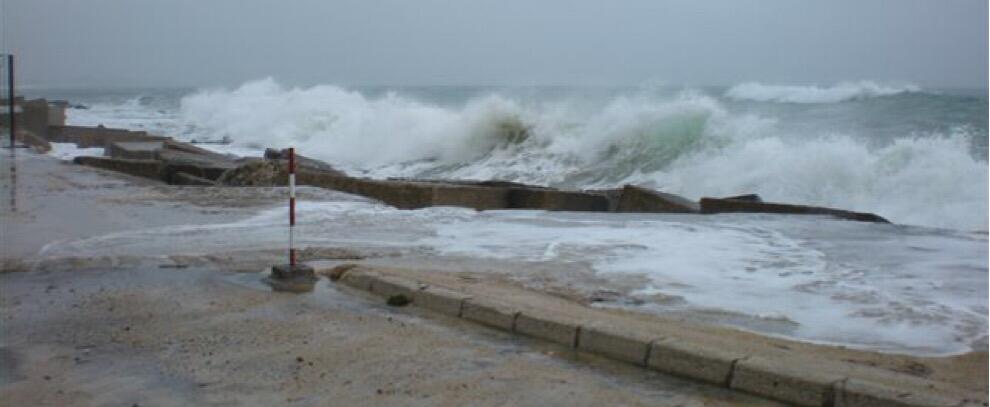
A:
[782,379]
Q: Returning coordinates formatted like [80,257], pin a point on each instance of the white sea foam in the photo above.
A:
[686,143]
[814,94]
[865,285]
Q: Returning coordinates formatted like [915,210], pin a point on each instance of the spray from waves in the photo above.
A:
[688,144]
[346,128]
[814,94]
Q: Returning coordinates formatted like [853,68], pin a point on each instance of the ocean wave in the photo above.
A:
[814,94]
[687,143]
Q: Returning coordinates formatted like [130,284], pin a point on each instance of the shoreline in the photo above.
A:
[960,369]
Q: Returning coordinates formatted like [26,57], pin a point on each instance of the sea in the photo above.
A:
[914,155]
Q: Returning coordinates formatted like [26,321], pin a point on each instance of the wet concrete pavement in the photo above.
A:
[139,331]
[147,335]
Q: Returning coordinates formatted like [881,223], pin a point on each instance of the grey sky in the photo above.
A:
[499,42]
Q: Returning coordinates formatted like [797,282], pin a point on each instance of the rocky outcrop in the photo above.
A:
[254,173]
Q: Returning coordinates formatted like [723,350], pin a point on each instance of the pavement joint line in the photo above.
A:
[837,388]
[732,371]
[830,393]
[835,393]
[649,350]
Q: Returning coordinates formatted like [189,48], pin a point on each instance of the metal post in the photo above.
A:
[13,132]
[293,276]
[10,99]
[292,204]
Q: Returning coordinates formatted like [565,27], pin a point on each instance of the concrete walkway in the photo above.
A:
[139,331]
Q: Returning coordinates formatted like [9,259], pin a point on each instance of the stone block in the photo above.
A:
[388,285]
[442,300]
[490,313]
[679,358]
[787,380]
[201,166]
[639,199]
[141,168]
[716,205]
[546,327]
[140,150]
[476,197]
[556,200]
[181,178]
[619,344]
[358,278]
[858,393]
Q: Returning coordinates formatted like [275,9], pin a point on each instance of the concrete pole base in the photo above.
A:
[298,278]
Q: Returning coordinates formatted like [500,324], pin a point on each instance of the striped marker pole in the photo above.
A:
[292,204]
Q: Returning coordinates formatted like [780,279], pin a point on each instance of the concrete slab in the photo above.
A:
[689,360]
[556,200]
[620,344]
[716,205]
[388,286]
[141,168]
[639,199]
[442,300]
[359,278]
[547,327]
[143,150]
[858,393]
[490,313]
[787,380]
[181,178]
[476,197]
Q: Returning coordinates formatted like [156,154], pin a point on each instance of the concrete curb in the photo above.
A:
[801,382]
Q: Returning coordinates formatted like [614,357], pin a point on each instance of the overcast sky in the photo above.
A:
[124,43]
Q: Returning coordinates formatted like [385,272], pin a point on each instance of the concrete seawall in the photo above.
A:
[776,369]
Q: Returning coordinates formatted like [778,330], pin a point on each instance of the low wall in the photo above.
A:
[86,137]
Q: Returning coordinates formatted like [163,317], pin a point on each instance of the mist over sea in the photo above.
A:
[913,155]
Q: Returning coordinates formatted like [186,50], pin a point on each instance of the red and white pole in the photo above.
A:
[292,204]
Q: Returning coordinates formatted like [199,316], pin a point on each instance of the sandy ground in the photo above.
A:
[140,331]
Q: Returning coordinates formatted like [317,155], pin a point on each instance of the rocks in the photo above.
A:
[255,173]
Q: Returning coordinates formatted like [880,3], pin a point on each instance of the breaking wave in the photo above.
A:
[686,143]
[814,94]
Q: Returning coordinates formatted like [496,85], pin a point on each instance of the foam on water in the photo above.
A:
[686,142]
[883,287]
[815,94]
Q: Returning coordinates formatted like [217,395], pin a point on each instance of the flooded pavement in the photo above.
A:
[201,328]
[147,335]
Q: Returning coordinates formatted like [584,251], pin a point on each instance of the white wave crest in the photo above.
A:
[687,143]
[346,128]
[814,94]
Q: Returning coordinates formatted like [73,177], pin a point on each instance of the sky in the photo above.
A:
[199,43]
